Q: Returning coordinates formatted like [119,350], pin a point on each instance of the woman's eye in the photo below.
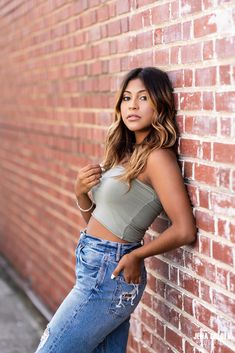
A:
[125,98]
[143,98]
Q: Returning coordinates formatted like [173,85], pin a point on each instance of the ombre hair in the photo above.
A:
[120,141]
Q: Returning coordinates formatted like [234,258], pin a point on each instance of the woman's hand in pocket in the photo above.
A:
[130,264]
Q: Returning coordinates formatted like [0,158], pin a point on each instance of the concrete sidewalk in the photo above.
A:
[21,325]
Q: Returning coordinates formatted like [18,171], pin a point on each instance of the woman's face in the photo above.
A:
[137,110]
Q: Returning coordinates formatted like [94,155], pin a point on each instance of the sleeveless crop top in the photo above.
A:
[127,214]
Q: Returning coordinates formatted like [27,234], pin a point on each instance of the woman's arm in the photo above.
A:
[87,177]
[164,175]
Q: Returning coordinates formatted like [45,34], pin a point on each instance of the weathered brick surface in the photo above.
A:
[60,66]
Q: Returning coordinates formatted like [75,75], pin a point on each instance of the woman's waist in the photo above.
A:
[98,230]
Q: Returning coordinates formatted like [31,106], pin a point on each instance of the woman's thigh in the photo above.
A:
[96,306]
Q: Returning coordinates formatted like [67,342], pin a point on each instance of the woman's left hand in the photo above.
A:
[131,267]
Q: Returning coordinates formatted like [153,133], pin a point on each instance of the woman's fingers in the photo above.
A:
[91,169]
[93,178]
[93,183]
[87,177]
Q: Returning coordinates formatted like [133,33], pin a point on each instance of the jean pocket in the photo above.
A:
[90,258]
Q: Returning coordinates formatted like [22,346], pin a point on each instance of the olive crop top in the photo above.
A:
[126,214]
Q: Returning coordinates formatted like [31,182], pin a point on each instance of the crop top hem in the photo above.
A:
[101,222]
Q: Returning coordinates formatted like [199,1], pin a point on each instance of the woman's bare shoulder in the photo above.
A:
[161,155]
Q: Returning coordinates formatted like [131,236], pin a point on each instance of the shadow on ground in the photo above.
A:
[21,325]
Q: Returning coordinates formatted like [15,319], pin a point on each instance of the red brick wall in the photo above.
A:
[60,65]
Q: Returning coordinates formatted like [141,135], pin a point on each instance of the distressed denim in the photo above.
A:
[94,317]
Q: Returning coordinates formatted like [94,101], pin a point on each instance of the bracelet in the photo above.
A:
[85,210]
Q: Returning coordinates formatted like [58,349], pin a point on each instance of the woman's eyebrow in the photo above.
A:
[142,90]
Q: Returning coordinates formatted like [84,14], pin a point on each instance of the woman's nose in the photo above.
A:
[133,104]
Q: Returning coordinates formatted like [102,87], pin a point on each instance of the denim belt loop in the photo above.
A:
[118,252]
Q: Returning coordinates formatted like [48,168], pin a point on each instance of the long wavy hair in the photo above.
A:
[120,141]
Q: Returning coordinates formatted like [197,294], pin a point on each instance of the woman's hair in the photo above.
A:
[120,141]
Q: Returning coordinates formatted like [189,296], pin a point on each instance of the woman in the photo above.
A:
[139,178]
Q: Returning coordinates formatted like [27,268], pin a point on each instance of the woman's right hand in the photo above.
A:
[87,177]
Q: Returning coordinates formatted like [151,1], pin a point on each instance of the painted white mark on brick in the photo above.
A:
[136,324]
[223,20]
[186,8]
[224,332]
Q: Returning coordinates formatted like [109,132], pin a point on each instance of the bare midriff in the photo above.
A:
[96,229]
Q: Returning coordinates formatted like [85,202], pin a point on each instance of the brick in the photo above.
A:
[161,57]
[189,147]
[208,52]
[102,13]
[201,267]
[160,14]
[206,316]
[205,174]
[222,277]
[205,76]
[192,192]
[174,9]
[226,126]
[224,153]
[159,266]
[165,312]
[187,30]
[173,274]
[180,123]
[223,177]
[159,345]
[190,7]
[191,53]
[144,39]
[205,25]
[225,101]
[204,198]
[207,151]
[224,47]
[114,28]
[205,292]
[191,101]
[175,55]
[187,305]
[205,245]
[174,339]
[189,283]
[223,303]
[176,78]
[201,125]
[208,100]
[158,36]
[205,221]
[224,75]
[189,328]
[173,296]
[188,78]
[122,7]
[222,252]
[188,347]
[172,33]
[220,347]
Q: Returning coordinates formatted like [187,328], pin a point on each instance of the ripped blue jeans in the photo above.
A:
[94,317]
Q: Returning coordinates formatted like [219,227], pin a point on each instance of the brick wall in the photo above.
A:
[61,63]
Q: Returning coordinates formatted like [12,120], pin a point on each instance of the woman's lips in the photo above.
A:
[133,117]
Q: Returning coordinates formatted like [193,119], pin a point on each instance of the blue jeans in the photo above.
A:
[94,317]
